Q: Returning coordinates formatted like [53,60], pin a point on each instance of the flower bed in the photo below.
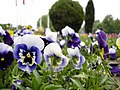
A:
[53,61]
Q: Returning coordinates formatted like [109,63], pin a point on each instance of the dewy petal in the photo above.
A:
[17,50]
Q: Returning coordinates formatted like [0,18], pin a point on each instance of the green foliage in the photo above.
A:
[96,25]
[89,16]
[110,25]
[85,78]
[44,22]
[66,13]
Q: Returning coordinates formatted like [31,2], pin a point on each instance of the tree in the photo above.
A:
[44,22]
[89,16]
[66,13]
[110,25]
[96,25]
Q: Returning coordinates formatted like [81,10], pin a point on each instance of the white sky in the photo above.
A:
[29,13]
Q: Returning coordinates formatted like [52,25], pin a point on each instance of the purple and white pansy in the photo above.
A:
[7,39]
[72,38]
[77,58]
[27,51]
[102,40]
[6,56]
[54,58]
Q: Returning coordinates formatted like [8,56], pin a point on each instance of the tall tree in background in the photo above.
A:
[89,16]
[66,13]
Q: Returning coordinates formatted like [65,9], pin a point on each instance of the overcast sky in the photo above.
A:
[29,13]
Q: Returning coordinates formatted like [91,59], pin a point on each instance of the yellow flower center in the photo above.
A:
[2,59]
[28,55]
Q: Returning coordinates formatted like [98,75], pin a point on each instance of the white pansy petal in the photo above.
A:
[73,52]
[53,48]
[62,42]
[64,32]
[82,43]
[70,30]
[112,51]
[5,47]
[17,40]
[97,31]
[52,36]
[32,40]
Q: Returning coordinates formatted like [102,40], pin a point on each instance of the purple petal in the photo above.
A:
[17,50]
[8,39]
[21,66]
[31,68]
[38,54]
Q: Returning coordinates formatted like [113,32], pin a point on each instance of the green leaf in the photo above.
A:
[81,76]
[42,87]
[77,83]
[15,70]
[37,76]
[28,88]
[53,87]
[34,83]
[104,79]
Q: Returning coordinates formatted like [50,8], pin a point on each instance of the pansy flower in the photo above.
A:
[112,53]
[77,58]
[7,39]
[102,41]
[51,36]
[73,39]
[67,31]
[27,51]
[6,56]
[115,70]
[54,58]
